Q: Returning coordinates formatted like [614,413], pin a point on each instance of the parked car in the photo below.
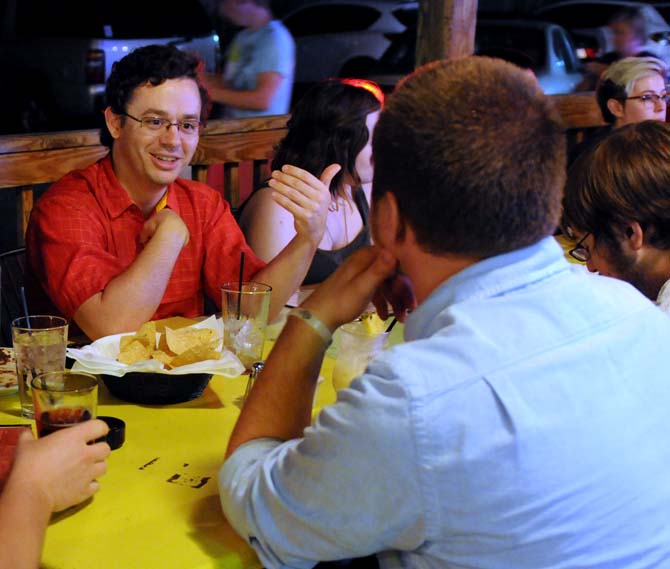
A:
[338,38]
[56,56]
[543,47]
[587,23]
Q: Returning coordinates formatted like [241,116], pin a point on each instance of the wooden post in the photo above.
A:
[24,206]
[446,29]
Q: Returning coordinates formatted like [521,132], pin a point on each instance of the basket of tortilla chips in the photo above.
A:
[158,365]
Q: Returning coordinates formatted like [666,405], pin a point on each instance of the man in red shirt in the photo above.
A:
[126,240]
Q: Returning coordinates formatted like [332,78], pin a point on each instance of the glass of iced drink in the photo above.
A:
[62,399]
[358,345]
[39,346]
[244,309]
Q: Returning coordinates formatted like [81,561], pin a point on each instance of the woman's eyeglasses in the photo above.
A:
[651,98]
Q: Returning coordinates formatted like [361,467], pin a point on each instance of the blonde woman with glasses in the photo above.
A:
[631,90]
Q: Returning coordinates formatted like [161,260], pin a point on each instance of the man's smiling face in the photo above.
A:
[154,159]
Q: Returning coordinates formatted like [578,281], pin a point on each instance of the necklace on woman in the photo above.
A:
[336,202]
[336,210]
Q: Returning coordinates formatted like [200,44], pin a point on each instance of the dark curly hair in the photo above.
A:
[327,126]
[154,64]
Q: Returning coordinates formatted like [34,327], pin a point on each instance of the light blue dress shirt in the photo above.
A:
[525,423]
[267,49]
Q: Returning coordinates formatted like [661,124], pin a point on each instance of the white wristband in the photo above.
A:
[319,327]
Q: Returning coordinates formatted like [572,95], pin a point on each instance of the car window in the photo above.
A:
[583,15]
[564,52]
[121,19]
[522,46]
[400,56]
[331,19]
[409,17]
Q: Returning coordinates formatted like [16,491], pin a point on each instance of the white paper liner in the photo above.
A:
[100,357]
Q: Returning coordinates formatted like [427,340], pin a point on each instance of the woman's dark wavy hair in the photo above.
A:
[327,126]
[151,64]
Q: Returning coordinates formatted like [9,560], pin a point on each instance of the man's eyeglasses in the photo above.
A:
[580,251]
[155,124]
[652,98]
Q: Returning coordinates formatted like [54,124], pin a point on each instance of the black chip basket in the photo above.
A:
[151,388]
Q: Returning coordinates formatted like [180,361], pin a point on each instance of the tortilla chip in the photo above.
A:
[179,341]
[147,334]
[162,356]
[135,352]
[175,347]
[163,346]
[125,342]
[197,353]
[173,322]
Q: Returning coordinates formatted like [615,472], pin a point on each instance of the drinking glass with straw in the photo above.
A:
[39,346]
[245,306]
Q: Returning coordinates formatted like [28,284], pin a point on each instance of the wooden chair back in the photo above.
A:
[28,160]
[12,265]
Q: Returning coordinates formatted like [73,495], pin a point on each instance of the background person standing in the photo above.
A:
[629,37]
[260,62]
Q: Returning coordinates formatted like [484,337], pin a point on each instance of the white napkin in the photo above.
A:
[100,357]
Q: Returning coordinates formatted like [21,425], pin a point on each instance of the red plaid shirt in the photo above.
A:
[85,231]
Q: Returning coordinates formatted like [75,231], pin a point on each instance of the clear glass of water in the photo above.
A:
[39,346]
[245,308]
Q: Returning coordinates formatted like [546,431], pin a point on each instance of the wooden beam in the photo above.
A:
[579,110]
[446,29]
[45,166]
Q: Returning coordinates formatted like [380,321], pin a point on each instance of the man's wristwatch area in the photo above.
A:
[319,327]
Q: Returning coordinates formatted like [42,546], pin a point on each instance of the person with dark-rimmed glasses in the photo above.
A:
[616,208]
[127,239]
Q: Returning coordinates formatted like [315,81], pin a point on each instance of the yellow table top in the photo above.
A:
[158,506]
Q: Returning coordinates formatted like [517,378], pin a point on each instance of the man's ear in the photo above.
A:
[615,107]
[113,122]
[387,224]
[635,235]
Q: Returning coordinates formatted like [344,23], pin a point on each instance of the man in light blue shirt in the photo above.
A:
[523,424]
[260,62]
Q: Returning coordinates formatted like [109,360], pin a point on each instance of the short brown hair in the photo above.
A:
[625,178]
[474,153]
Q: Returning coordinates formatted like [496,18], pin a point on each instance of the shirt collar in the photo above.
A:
[113,196]
[116,199]
[487,278]
[663,298]
[171,202]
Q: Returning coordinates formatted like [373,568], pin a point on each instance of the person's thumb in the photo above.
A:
[329,173]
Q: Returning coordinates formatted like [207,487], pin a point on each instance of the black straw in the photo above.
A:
[391,325]
[25,307]
[33,373]
[239,290]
